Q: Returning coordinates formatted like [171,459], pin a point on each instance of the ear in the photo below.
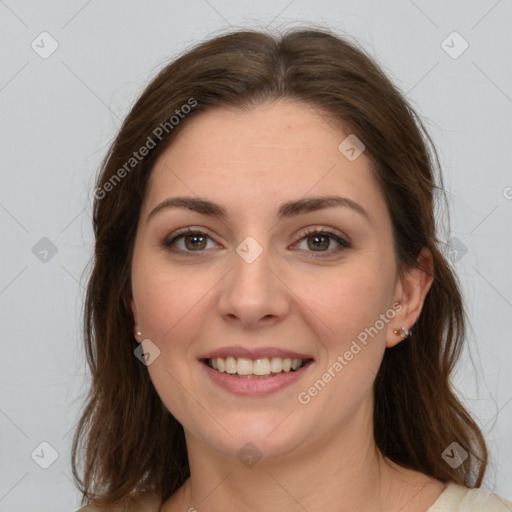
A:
[410,291]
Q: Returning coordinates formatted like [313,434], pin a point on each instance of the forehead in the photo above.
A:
[253,159]
[262,136]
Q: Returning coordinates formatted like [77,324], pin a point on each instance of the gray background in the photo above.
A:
[59,113]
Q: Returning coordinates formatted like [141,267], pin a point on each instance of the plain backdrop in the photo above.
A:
[70,71]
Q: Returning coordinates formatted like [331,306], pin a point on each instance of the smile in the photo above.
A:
[255,368]
[255,377]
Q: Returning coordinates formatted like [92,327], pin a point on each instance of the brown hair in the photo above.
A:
[128,441]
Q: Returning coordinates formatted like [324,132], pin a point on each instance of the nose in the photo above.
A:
[253,293]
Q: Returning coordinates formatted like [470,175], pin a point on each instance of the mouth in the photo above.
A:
[261,368]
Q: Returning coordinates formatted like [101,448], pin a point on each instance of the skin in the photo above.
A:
[320,455]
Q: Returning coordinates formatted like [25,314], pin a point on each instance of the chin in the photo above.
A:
[254,436]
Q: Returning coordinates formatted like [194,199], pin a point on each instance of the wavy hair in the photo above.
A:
[126,440]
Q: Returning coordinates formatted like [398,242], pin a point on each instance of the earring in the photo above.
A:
[403,332]
[139,334]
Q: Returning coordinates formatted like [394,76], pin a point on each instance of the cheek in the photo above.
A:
[164,299]
[168,307]
[353,310]
[350,299]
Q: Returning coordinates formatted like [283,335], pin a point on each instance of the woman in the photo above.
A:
[270,324]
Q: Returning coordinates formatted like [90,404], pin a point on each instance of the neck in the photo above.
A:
[327,482]
[341,470]
[345,474]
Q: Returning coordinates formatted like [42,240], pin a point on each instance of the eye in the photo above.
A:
[188,240]
[320,240]
[194,240]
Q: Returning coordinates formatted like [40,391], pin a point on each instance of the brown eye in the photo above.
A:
[194,242]
[320,241]
[187,241]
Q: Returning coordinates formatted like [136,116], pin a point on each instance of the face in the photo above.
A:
[257,279]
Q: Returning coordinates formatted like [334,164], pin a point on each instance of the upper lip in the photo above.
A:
[254,353]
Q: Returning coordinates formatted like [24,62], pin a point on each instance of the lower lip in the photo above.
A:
[254,387]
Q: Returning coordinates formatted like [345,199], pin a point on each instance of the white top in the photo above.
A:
[454,498]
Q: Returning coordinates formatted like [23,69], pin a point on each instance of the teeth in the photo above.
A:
[230,365]
[276,365]
[243,366]
[259,367]
[296,363]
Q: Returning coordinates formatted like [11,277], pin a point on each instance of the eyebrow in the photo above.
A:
[286,210]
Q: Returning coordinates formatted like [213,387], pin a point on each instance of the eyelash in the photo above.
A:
[343,243]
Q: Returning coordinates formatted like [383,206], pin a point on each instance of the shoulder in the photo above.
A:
[456,498]
[144,503]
